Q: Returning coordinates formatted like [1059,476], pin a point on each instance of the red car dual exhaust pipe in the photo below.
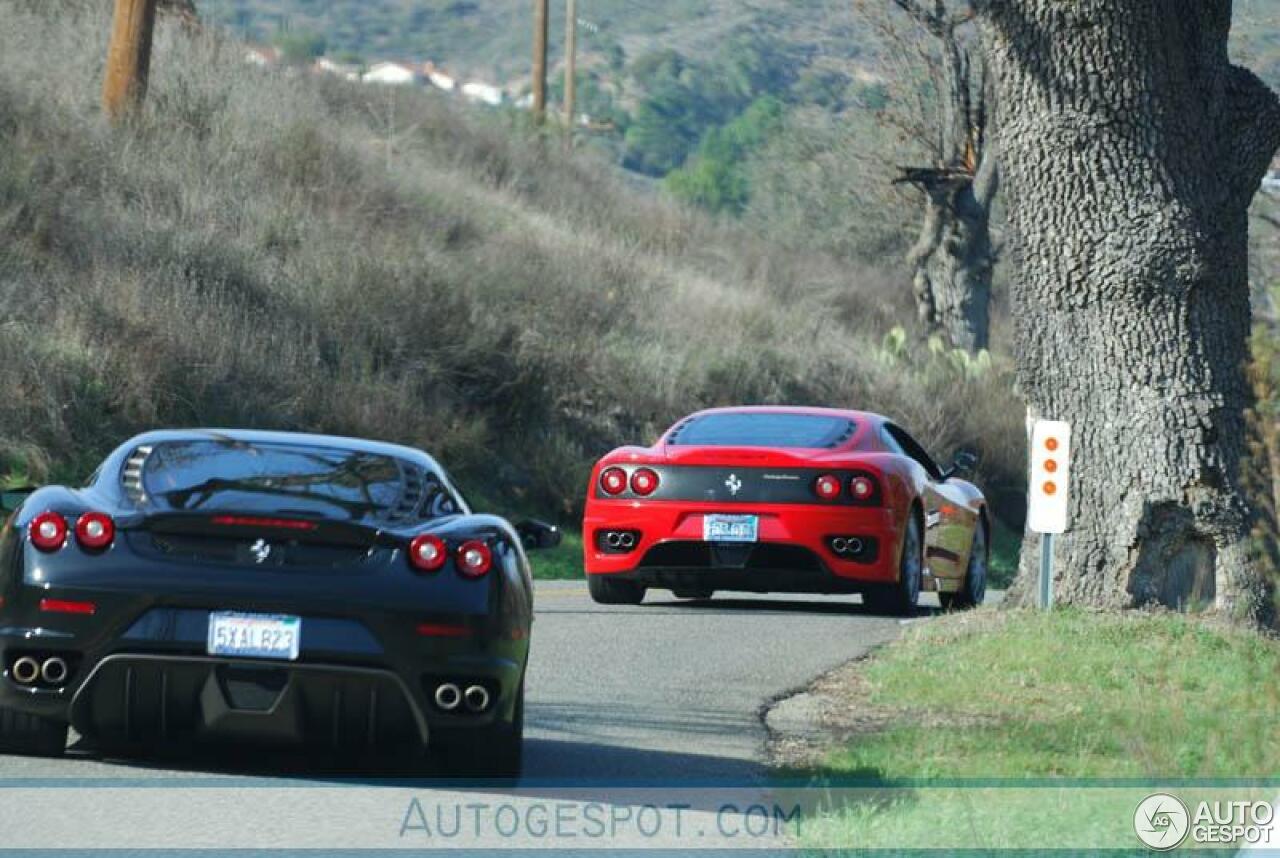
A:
[620,539]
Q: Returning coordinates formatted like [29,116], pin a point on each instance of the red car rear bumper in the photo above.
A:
[793,551]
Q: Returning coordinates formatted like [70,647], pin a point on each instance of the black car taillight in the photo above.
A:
[474,559]
[95,531]
[48,531]
[427,553]
[264,521]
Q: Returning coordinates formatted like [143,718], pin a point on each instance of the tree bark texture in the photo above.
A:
[1130,149]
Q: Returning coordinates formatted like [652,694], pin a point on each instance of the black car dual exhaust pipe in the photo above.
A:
[449,697]
[27,670]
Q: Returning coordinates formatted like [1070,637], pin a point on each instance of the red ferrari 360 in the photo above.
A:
[798,500]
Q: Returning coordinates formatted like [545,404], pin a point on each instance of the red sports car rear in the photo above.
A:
[783,499]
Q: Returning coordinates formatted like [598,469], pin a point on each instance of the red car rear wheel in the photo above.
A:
[900,598]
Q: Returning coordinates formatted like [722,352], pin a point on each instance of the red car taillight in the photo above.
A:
[827,487]
[862,488]
[474,559]
[427,553]
[644,482]
[95,531]
[613,481]
[48,531]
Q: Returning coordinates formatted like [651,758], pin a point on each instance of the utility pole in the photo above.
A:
[570,69]
[128,57]
[540,21]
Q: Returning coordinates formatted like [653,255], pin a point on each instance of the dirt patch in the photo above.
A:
[804,727]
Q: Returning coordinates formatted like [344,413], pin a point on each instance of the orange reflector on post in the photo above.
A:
[1050,476]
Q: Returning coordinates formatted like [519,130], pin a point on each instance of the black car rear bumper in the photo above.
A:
[131,699]
[139,674]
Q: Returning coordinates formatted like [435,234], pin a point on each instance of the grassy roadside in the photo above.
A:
[1025,696]
[563,563]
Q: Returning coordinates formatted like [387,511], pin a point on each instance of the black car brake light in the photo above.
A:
[48,531]
[474,559]
[427,553]
[95,531]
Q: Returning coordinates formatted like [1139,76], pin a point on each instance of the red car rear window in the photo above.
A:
[762,429]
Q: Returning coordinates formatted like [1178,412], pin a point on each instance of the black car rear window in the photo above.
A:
[762,429]
[212,475]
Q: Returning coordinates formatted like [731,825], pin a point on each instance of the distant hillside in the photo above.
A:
[493,37]
[481,37]
[274,250]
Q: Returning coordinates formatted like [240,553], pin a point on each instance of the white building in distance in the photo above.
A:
[483,93]
[438,78]
[394,74]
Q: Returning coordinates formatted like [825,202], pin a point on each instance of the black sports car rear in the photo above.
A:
[266,587]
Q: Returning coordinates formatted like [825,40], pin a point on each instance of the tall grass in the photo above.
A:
[274,251]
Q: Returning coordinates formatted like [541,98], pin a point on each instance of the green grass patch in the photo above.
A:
[563,563]
[1023,695]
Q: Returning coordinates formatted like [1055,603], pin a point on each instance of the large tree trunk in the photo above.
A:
[1130,150]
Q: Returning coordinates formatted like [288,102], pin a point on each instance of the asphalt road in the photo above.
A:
[674,689]
[666,693]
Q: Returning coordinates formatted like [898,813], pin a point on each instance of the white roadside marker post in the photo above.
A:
[1046,570]
[1047,497]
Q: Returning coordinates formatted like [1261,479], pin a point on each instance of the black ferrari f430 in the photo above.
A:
[211,586]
